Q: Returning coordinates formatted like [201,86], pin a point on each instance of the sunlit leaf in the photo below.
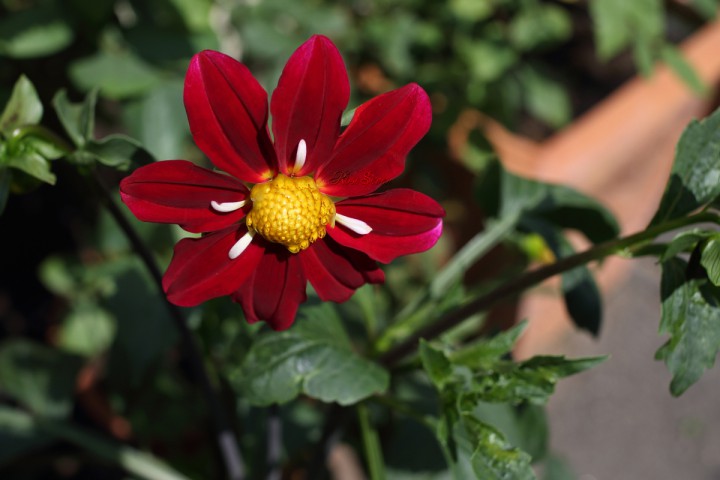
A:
[314,357]
[695,175]
[691,316]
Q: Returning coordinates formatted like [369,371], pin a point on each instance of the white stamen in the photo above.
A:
[357,226]
[241,245]
[227,206]
[300,156]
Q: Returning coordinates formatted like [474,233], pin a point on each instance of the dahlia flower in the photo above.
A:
[297,207]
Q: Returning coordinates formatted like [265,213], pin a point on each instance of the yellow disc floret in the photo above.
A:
[290,211]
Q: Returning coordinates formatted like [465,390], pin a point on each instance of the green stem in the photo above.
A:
[225,436]
[371,444]
[534,277]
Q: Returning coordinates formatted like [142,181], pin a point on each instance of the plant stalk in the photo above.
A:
[224,433]
[532,278]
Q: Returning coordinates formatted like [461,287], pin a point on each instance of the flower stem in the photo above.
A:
[532,278]
[225,435]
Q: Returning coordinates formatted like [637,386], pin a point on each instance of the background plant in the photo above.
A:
[96,365]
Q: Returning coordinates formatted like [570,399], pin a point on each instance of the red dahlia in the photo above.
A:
[261,245]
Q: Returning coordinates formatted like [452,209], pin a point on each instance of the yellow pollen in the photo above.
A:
[290,211]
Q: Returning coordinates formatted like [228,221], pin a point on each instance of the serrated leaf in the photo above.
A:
[695,175]
[34,32]
[78,119]
[40,378]
[485,351]
[436,364]
[691,316]
[23,108]
[18,434]
[531,381]
[494,458]
[313,357]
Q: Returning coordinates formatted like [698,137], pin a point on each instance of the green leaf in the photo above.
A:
[558,205]
[710,259]
[483,352]
[34,32]
[525,426]
[118,151]
[530,381]
[436,364]
[23,108]
[347,117]
[684,242]
[675,60]
[618,23]
[539,26]
[18,434]
[707,8]
[494,458]
[471,10]
[581,293]
[486,61]
[314,357]
[34,165]
[145,330]
[691,316]
[118,75]
[545,98]
[695,175]
[87,330]
[77,118]
[40,378]
[161,123]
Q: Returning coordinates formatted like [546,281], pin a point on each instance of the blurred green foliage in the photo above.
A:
[476,413]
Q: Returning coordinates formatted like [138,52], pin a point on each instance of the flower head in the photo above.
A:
[311,214]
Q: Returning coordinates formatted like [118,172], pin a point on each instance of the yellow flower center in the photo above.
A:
[290,211]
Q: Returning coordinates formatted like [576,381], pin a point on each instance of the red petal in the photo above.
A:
[308,103]
[275,289]
[336,272]
[227,111]
[176,191]
[403,221]
[201,269]
[372,150]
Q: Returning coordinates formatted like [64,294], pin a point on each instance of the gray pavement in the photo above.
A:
[619,421]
